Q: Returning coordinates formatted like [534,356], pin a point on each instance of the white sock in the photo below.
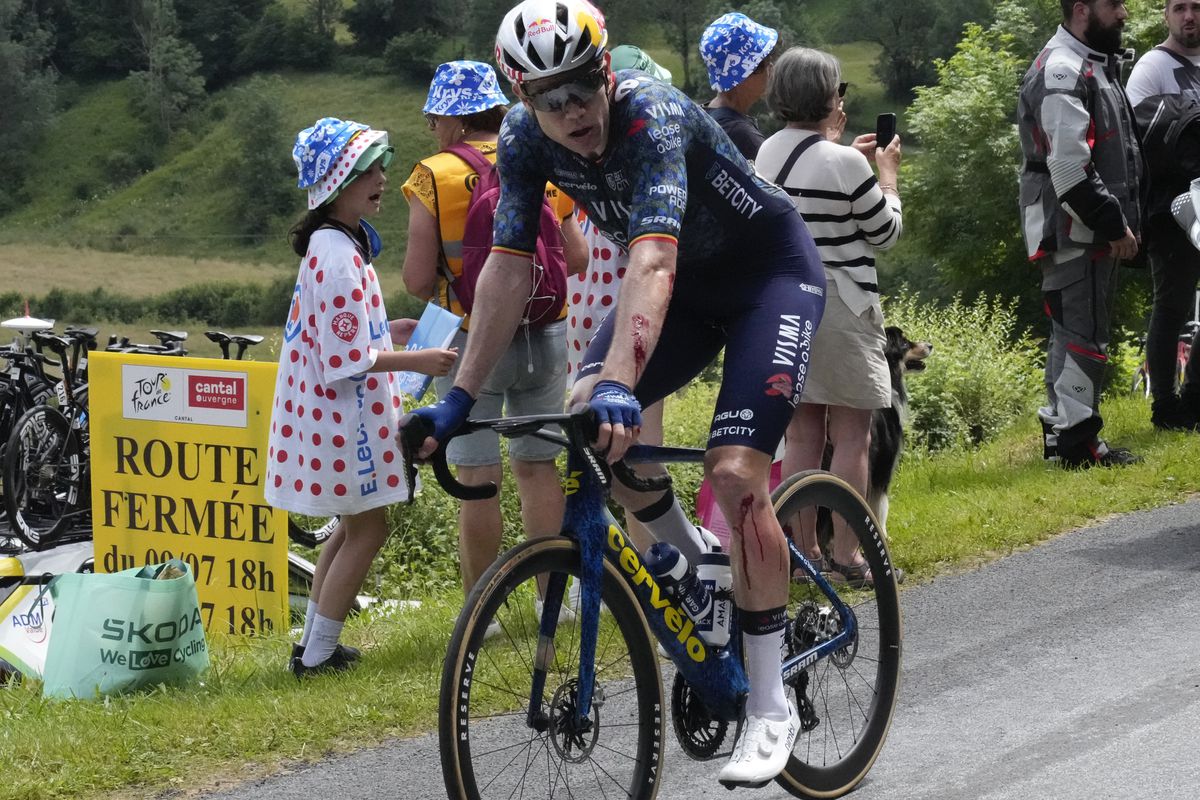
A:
[666,520]
[324,638]
[309,613]
[763,661]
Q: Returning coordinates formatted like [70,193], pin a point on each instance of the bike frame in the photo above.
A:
[716,674]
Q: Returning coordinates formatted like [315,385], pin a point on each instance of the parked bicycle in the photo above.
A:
[46,465]
[25,384]
[566,703]
[1141,376]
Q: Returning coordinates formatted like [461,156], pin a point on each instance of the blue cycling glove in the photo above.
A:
[447,415]
[615,404]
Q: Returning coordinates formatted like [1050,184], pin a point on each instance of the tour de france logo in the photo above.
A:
[151,392]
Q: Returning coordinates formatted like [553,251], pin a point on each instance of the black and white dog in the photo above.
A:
[887,424]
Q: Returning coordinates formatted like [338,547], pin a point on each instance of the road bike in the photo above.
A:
[24,384]
[570,702]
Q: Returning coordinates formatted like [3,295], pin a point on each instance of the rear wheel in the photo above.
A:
[490,749]
[43,476]
[311,531]
[846,700]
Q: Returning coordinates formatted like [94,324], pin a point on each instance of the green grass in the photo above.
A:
[248,717]
[174,199]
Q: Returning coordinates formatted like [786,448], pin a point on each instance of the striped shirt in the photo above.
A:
[847,213]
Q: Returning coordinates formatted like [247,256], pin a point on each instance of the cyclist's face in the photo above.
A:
[581,126]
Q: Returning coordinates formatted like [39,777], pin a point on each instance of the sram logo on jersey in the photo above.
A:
[730,187]
[670,222]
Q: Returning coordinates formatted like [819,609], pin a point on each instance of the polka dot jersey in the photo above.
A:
[331,449]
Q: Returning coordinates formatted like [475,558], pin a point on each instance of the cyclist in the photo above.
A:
[718,258]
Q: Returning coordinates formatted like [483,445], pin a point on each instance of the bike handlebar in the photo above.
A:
[580,426]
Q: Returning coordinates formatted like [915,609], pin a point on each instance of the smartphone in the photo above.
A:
[885,129]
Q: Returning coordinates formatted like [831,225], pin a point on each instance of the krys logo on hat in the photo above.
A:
[463,87]
[732,48]
[326,154]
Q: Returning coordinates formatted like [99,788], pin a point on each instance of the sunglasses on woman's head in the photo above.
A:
[579,90]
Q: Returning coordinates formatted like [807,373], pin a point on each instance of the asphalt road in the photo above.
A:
[1071,670]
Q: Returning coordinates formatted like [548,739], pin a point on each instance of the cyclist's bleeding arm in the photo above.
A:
[641,307]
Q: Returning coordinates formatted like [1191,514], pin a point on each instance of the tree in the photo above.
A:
[682,24]
[27,93]
[324,15]
[913,34]
[257,164]
[171,81]
[214,28]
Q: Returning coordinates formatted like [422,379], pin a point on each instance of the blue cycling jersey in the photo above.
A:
[669,170]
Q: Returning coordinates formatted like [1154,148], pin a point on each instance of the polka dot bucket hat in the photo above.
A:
[463,87]
[327,154]
[732,47]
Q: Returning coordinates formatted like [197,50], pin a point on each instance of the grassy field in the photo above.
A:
[248,717]
[35,269]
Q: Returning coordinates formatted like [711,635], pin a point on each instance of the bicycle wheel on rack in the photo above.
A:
[489,750]
[309,531]
[43,476]
[852,693]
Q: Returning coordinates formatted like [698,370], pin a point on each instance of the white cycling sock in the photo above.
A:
[324,638]
[309,613]
[764,656]
[666,520]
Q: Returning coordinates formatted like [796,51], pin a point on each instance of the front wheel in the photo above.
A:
[492,747]
[43,476]
[846,700]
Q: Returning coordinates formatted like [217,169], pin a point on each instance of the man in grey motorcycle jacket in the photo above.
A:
[1080,196]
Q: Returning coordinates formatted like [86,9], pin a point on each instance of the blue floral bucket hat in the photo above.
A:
[732,47]
[463,87]
[331,153]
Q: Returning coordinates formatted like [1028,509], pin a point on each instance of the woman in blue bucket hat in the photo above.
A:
[331,450]
[738,53]
[465,105]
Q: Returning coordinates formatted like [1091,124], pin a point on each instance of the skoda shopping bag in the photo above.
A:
[124,630]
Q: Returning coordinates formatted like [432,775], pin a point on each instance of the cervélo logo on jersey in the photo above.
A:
[172,394]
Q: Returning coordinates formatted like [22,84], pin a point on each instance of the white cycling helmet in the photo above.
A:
[542,38]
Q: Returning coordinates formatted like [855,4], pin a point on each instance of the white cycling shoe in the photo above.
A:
[761,751]
[569,610]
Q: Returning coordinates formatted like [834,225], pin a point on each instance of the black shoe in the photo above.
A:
[338,661]
[351,654]
[1096,454]
[1170,414]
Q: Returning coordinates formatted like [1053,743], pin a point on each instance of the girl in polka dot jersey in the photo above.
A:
[331,448]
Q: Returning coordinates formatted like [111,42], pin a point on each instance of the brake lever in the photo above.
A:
[413,432]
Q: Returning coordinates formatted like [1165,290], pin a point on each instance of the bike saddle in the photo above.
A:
[170,337]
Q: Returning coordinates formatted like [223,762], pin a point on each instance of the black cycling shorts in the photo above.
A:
[763,306]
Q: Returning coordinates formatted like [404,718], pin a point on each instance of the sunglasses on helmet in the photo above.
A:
[579,89]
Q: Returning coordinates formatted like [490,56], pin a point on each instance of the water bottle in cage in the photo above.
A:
[681,581]
[717,576]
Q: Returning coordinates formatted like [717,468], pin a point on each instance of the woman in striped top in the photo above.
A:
[851,214]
